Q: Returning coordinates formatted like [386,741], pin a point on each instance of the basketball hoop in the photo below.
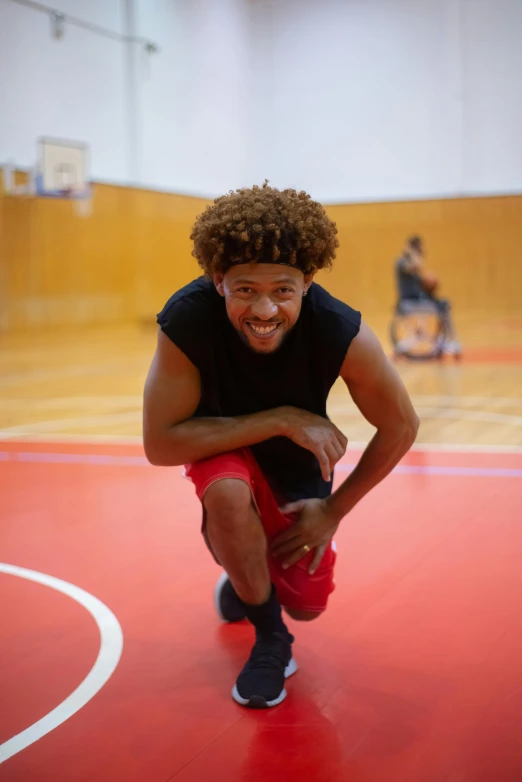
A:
[62,173]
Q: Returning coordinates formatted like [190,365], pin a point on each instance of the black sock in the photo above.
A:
[267,617]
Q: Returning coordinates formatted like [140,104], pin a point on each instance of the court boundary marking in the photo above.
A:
[136,460]
[135,417]
[29,438]
[109,654]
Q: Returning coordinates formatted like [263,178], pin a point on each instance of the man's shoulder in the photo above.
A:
[196,292]
[196,296]
[329,308]
[332,326]
[402,263]
[186,319]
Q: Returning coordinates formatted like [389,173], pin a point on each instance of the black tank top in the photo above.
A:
[237,381]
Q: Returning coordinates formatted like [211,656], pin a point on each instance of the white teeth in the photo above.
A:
[263,330]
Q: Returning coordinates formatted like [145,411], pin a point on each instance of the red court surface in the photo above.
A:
[413,675]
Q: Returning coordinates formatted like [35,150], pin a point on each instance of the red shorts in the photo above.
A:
[296,588]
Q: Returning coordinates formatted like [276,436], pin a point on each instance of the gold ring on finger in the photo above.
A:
[306,548]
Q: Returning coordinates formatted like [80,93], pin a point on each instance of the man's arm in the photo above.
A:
[380,395]
[172,394]
[171,435]
[410,265]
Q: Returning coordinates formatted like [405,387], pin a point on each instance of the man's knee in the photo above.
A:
[227,498]
[302,616]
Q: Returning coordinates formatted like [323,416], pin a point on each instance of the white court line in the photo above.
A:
[453,401]
[133,417]
[74,403]
[455,413]
[111,645]
[460,414]
[456,400]
[135,401]
[335,406]
[72,370]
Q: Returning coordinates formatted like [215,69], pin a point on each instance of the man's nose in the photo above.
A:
[264,308]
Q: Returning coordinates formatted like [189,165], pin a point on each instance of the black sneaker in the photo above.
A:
[261,683]
[228,604]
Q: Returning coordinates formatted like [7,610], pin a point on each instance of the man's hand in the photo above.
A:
[316,434]
[314,529]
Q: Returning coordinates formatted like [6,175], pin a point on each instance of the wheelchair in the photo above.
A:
[418,330]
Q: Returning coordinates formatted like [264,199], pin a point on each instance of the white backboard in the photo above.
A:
[62,167]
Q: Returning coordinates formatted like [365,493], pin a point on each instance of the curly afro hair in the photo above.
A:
[264,225]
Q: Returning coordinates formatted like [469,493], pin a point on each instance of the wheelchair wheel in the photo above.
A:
[418,335]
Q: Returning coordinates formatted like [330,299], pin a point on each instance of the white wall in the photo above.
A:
[72,88]
[194,98]
[492,95]
[351,99]
[175,120]
[386,99]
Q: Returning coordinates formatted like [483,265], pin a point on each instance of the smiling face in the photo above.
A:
[263,301]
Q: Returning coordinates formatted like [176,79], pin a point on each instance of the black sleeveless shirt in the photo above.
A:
[237,381]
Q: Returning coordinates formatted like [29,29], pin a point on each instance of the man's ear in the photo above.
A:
[309,278]
[219,282]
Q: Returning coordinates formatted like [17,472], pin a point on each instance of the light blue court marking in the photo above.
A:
[476,472]
[73,458]
[141,461]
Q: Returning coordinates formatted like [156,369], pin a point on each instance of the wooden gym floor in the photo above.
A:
[113,665]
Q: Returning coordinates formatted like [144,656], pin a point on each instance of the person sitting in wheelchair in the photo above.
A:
[416,286]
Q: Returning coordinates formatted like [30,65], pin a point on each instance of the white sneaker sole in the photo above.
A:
[257,702]
[217,592]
